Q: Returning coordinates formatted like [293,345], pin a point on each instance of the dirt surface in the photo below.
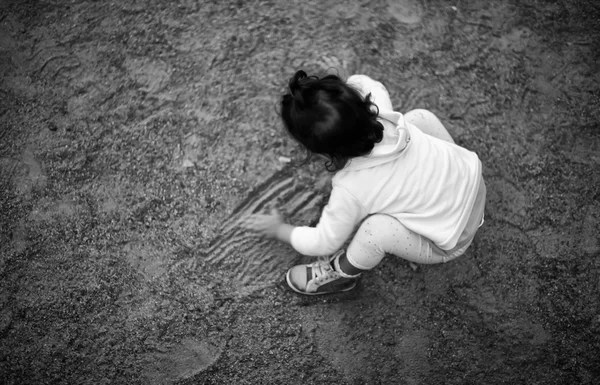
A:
[133,135]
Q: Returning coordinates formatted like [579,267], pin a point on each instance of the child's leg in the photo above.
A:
[427,122]
[380,234]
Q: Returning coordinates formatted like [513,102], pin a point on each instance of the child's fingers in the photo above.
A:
[246,222]
[252,222]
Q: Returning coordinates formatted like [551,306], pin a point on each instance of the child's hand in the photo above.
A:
[264,224]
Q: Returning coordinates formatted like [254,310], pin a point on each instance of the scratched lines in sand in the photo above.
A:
[248,256]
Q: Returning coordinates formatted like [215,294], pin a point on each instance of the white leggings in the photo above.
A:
[380,234]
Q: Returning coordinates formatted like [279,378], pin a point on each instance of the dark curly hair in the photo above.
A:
[329,117]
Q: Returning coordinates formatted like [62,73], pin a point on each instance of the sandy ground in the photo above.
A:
[134,134]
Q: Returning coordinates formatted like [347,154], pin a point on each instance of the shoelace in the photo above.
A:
[322,270]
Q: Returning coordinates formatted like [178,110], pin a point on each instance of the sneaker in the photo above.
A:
[318,278]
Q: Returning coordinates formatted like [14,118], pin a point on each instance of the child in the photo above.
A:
[414,193]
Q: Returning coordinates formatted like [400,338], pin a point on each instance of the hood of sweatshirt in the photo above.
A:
[396,139]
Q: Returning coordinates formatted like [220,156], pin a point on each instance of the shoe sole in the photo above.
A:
[287,278]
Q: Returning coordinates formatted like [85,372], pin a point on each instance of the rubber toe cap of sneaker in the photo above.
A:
[297,277]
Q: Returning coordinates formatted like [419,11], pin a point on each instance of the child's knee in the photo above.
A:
[376,225]
[427,122]
[419,115]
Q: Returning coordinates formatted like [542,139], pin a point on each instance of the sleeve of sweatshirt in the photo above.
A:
[338,220]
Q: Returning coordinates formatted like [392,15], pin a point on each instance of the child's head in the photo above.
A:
[329,117]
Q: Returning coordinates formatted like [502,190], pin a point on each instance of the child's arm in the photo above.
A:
[338,219]
[269,225]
